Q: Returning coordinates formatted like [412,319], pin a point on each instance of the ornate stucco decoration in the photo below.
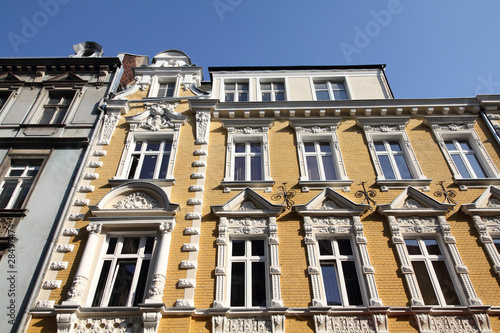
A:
[202,121]
[365,324]
[136,200]
[316,129]
[6,224]
[222,324]
[158,116]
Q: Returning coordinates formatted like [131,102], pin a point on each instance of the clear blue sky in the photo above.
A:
[431,48]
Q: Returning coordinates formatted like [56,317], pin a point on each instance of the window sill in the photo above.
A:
[229,185]
[13,212]
[41,125]
[321,184]
[465,183]
[389,184]
[160,182]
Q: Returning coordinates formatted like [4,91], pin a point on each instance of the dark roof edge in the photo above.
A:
[55,61]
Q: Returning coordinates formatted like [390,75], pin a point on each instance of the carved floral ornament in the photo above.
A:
[315,129]
[136,200]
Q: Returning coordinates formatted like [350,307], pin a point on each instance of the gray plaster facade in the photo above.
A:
[49,110]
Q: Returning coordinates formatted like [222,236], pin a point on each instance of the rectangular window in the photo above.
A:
[248,161]
[465,158]
[4,96]
[56,108]
[149,159]
[433,278]
[166,89]
[392,159]
[272,91]
[320,160]
[236,92]
[17,183]
[248,273]
[496,241]
[124,271]
[330,90]
[339,272]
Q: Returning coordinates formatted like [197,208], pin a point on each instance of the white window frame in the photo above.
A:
[111,278]
[338,259]
[157,81]
[272,91]
[247,131]
[38,108]
[143,152]
[24,178]
[462,128]
[320,130]
[248,259]
[428,259]
[391,156]
[393,129]
[329,88]
[235,92]
[413,214]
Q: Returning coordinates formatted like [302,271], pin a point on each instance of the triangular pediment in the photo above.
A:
[329,202]
[68,76]
[157,116]
[412,201]
[9,77]
[248,203]
[487,203]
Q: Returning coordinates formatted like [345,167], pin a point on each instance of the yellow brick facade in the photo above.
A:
[294,278]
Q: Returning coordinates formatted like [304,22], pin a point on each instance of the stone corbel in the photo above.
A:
[202,124]
[151,320]
[65,322]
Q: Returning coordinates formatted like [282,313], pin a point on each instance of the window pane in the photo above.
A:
[402,167]
[329,168]
[242,97]
[153,146]
[47,115]
[259,284]
[257,247]
[150,242]
[394,146]
[138,146]
[7,190]
[325,247]
[432,246]
[322,95]
[345,248]
[379,146]
[325,147]
[239,147]
[460,166]
[111,245]
[61,113]
[243,86]
[102,283]
[352,283]
[266,97]
[141,283]
[412,247]
[309,147]
[256,168]
[123,282]
[168,146]
[465,145]
[447,287]
[164,166]
[170,90]
[265,86]
[496,241]
[279,96]
[255,148]
[425,284]
[21,195]
[312,168]
[15,172]
[386,167]
[229,97]
[320,85]
[340,94]
[279,86]
[239,168]
[237,284]
[328,270]
[238,248]
[450,145]
[476,166]
[133,166]
[148,166]
[130,245]
[230,86]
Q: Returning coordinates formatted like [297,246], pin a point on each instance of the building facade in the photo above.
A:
[49,109]
[280,199]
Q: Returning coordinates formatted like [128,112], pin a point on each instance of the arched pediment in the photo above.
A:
[413,202]
[135,199]
[248,203]
[329,202]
